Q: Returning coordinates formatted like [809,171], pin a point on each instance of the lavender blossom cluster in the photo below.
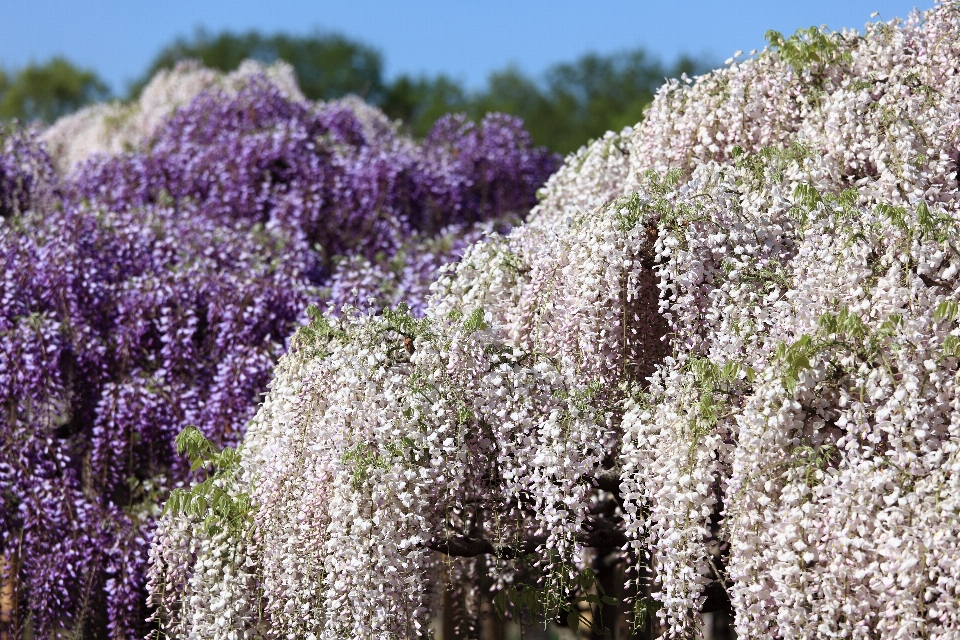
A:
[156,288]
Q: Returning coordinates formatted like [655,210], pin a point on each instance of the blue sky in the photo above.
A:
[466,39]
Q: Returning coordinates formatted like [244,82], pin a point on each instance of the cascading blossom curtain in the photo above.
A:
[155,287]
[721,356]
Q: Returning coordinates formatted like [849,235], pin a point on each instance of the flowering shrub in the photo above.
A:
[116,127]
[156,288]
[721,355]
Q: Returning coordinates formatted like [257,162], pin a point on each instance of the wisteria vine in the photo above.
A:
[154,288]
[720,357]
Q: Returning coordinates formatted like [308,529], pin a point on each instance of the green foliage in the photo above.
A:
[844,330]
[403,322]
[561,597]
[569,105]
[708,374]
[796,359]
[420,102]
[713,382]
[843,324]
[809,48]
[951,347]
[937,226]
[644,610]
[315,337]
[475,322]
[207,500]
[925,225]
[402,329]
[365,457]
[48,91]
[897,216]
[809,201]
[947,310]
[579,101]
[769,276]
[630,212]
[770,163]
[327,65]
[658,207]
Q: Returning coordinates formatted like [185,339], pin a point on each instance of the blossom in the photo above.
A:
[156,287]
[745,306]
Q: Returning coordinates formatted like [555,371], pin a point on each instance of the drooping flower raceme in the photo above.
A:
[156,288]
[721,354]
[377,394]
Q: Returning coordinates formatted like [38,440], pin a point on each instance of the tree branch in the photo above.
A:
[716,598]
[468,547]
[601,534]
[609,480]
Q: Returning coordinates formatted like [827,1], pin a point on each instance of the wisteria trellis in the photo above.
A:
[155,288]
[724,347]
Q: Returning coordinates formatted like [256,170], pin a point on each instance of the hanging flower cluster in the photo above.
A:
[722,353]
[156,288]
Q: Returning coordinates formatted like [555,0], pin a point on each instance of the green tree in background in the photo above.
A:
[327,65]
[49,90]
[571,104]
[574,102]
[419,102]
[595,94]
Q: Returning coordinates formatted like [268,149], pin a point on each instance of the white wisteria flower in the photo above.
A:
[721,355]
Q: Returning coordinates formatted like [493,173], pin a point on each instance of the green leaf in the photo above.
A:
[807,195]
[796,357]
[673,177]
[951,346]
[774,38]
[947,310]
[896,215]
[475,322]
[573,621]
[924,219]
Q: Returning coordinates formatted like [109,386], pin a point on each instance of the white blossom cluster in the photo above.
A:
[115,127]
[748,304]
[382,433]
[879,110]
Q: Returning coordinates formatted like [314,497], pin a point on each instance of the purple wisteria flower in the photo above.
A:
[156,289]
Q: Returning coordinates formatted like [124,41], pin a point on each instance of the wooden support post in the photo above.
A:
[8,596]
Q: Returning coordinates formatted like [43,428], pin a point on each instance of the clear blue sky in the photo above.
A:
[466,39]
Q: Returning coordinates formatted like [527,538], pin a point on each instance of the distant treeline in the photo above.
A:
[570,104]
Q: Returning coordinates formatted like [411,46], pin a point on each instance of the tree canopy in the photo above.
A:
[580,101]
[571,104]
[49,90]
[327,65]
